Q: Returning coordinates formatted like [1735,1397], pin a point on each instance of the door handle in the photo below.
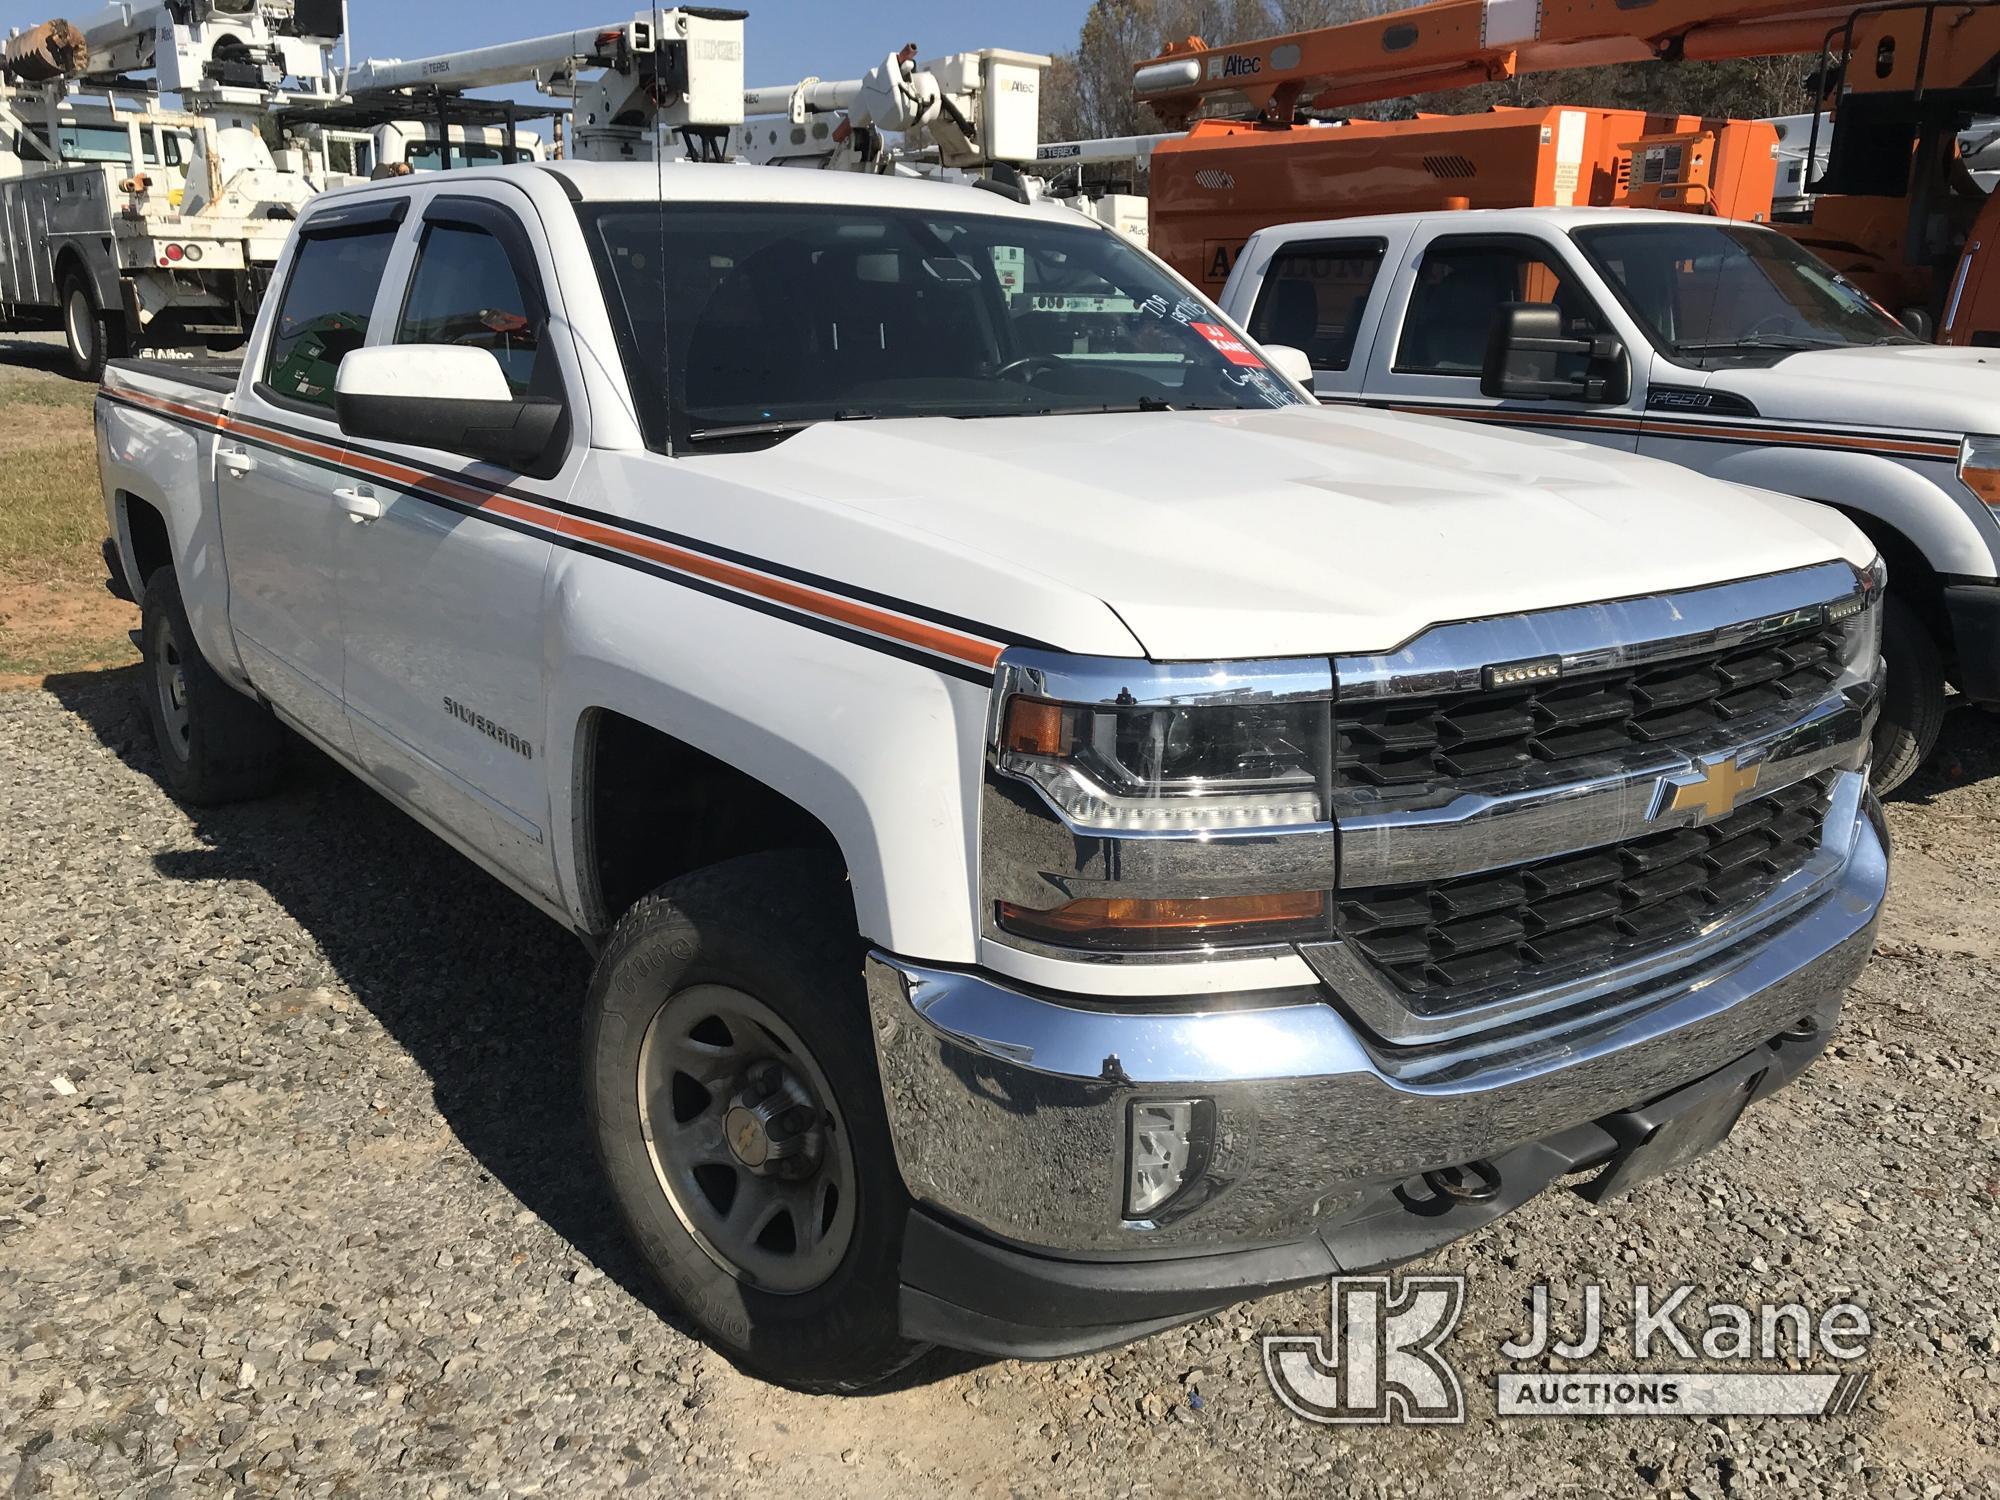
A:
[360,504]
[238,461]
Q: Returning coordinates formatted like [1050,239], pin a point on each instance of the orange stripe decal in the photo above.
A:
[796,596]
[1668,427]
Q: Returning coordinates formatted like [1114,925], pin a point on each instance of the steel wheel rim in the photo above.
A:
[781,1221]
[170,683]
[81,325]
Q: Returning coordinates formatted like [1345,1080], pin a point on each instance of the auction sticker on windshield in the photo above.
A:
[1228,344]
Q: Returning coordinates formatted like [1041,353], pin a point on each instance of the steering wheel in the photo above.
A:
[1027,362]
[1778,323]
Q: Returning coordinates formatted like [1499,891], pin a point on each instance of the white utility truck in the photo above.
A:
[1721,346]
[127,221]
[1073,834]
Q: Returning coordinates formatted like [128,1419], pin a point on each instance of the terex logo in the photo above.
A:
[1234,65]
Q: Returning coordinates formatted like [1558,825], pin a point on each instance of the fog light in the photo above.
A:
[1167,1152]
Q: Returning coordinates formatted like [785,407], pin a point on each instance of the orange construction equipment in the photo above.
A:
[1225,180]
[1893,208]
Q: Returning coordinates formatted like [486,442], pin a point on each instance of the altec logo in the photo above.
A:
[1235,65]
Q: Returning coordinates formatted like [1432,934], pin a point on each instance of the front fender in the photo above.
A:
[1919,499]
[882,751]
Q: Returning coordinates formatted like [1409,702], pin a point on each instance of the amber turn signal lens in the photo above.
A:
[1171,922]
[1985,483]
[1034,727]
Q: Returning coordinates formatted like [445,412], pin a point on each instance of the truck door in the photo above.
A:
[1322,295]
[1431,351]
[442,593]
[274,477]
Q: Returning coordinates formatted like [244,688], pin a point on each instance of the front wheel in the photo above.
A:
[1912,698]
[738,1115]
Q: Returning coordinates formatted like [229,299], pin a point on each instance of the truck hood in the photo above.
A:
[1305,531]
[1902,387]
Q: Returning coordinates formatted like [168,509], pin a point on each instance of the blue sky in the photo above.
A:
[786,39]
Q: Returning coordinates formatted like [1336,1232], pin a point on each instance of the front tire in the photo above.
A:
[1912,698]
[91,335]
[216,745]
[734,1100]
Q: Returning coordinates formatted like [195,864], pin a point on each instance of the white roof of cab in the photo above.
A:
[704,182]
[1495,220]
[700,182]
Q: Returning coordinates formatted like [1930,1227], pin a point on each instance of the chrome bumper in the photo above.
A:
[1009,1110]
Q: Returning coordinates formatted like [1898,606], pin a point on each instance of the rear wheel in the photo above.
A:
[216,745]
[738,1115]
[1912,699]
[92,335]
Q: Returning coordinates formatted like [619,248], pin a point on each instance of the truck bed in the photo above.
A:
[215,373]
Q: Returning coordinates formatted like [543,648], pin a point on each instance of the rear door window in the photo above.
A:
[1314,297]
[324,316]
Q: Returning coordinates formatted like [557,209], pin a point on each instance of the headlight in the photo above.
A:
[1860,616]
[1142,777]
[1191,769]
[1979,468]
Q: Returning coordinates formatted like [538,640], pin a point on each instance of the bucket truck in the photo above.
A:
[125,222]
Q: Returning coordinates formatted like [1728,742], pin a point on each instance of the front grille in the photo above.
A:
[1410,742]
[1448,943]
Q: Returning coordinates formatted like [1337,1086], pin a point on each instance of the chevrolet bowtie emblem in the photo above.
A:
[1713,792]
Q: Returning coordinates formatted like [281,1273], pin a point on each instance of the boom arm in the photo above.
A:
[1459,43]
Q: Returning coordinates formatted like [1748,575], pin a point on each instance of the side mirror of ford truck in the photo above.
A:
[444,396]
[1525,354]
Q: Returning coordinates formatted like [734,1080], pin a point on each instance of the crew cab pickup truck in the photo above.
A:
[1073,833]
[1721,346]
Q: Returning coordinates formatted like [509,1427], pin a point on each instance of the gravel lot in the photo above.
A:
[295,1199]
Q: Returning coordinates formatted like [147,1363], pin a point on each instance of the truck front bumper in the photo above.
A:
[1011,1115]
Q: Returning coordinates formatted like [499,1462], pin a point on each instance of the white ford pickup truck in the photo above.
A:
[1073,834]
[1718,345]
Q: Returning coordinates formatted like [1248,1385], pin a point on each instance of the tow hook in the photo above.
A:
[1474,1182]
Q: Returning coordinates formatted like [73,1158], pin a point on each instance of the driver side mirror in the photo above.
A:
[444,396]
[1525,354]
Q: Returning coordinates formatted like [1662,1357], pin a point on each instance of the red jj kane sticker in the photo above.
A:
[1233,349]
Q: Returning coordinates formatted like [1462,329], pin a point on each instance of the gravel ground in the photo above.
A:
[295,1199]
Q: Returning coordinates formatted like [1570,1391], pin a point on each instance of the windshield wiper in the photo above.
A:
[1786,343]
[772,429]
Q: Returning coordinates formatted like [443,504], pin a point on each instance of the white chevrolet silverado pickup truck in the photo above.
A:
[1073,833]
[1721,346]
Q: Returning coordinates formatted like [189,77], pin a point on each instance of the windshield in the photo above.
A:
[1705,289]
[772,318]
[110,144]
[426,156]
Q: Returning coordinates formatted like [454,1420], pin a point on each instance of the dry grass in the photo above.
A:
[54,612]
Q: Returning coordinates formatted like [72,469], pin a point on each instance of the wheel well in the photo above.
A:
[1910,574]
[651,808]
[152,547]
[65,262]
